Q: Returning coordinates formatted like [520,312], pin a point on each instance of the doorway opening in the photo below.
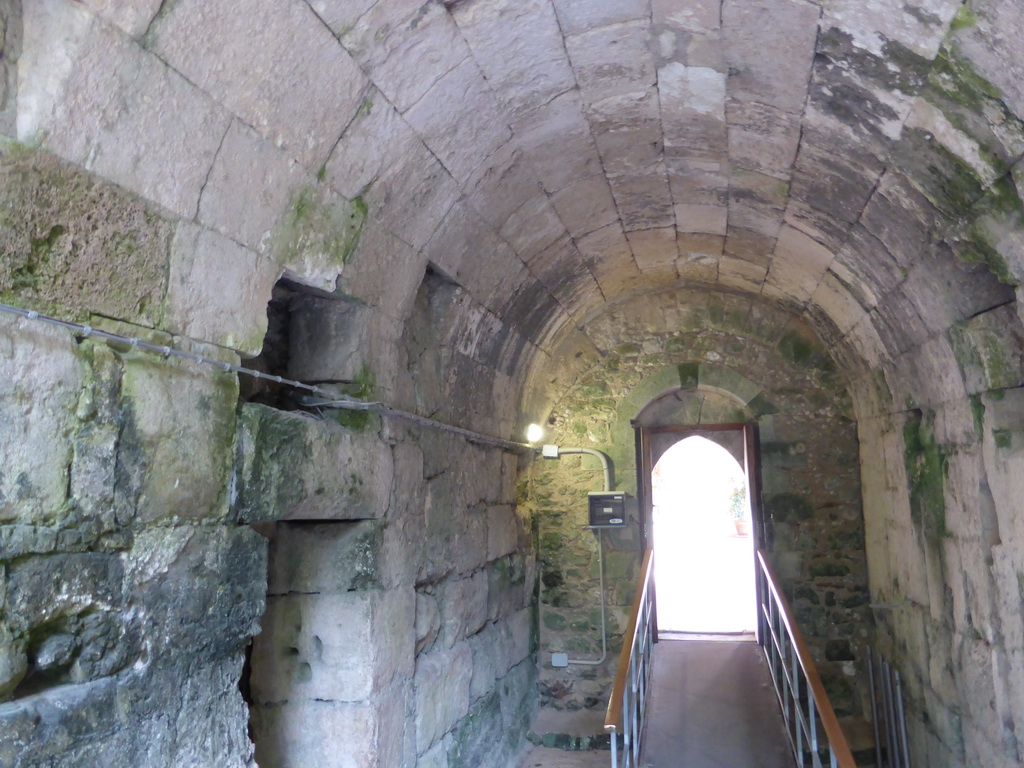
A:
[704,548]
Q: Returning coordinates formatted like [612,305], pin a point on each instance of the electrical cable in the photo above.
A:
[329,399]
[608,483]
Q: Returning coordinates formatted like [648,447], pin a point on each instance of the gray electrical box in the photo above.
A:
[609,509]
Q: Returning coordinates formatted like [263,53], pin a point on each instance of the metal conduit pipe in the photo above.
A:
[605,462]
[553,452]
[604,631]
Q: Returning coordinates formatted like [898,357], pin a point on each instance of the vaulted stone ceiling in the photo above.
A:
[854,161]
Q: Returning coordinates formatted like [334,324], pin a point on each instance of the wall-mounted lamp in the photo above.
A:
[534,433]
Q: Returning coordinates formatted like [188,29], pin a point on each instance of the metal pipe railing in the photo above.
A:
[627,706]
[887,714]
[813,728]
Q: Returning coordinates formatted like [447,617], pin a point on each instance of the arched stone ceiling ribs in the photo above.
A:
[849,160]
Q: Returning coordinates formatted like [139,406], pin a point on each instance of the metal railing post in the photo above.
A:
[796,679]
[627,706]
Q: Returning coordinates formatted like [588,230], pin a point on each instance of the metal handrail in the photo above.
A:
[627,706]
[805,705]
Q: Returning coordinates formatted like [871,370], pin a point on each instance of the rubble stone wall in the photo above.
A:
[728,359]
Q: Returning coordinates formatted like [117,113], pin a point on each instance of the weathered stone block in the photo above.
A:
[558,139]
[248,161]
[612,60]
[585,206]
[533,227]
[577,16]
[987,347]
[503,526]
[177,441]
[442,693]
[459,120]
[751,32]
[209,42]
[436,756]
[340,647]
[518,696]
[155,132]
[327,340]
[218,291]
[304,733]
[84,244]
[195,592]
[644,199]
[326,558]
[42,729]
[471,743]
[40,362]
[526,69]
[131,16]
[405,47]
[293,467]
[511,582]
[463,608]
[412,196]
[428,621]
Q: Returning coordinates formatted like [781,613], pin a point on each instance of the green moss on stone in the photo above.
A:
[73,242]
[947,180]
[472,739]
[927,465]
[362,387]
[978,412]
[675,344]
[964,18]
[279,442]
[321,226]
[828,569]
[689,375]
[556,622]
[796,349]
[955,78]
[1003,197]
[973,106]
[978,248]
[1003,438]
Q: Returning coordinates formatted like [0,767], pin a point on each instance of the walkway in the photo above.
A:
[712,706]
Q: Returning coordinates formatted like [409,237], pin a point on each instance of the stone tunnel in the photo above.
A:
[801,213]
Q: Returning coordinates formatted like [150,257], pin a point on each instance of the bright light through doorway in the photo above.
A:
[703,559]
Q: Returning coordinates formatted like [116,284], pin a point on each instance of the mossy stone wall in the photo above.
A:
[740,365]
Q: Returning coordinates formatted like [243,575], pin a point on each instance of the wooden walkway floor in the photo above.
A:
[711,706]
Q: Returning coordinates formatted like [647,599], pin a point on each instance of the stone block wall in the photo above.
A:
[138,494]
[728,359]
[399,627]
[129,591]
[942,430]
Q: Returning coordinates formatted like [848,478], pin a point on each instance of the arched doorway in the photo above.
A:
[701,533]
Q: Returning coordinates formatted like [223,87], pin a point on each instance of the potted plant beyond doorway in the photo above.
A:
[738,510]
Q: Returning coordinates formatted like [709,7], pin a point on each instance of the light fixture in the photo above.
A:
[534,433]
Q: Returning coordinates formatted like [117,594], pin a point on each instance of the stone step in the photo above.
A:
[567,729]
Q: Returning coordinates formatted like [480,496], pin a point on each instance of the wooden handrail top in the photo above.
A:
[613,715]
[827,716]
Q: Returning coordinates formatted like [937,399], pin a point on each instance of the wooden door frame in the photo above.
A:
[752,468]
